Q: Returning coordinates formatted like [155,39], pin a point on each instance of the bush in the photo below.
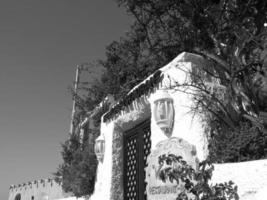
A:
[78,171]
[245,142]
[195,182]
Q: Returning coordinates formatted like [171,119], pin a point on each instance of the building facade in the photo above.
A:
[131,132]
[132,136]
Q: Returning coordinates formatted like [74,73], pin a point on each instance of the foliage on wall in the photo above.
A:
[117,165]
[144,89]
[122,124]
[195,182]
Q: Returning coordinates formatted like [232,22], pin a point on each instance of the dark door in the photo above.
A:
[136,146]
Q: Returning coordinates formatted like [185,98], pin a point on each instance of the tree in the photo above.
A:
[78,171]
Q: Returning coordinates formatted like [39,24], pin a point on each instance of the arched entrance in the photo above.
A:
[18,196]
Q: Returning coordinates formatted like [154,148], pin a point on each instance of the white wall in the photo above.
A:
[186,125]
[104,171]
[250,177]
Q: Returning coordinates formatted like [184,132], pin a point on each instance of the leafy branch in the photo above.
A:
[174,169]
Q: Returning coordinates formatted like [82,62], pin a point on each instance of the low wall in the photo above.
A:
[250,177]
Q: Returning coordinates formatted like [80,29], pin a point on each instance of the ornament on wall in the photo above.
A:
[156,188]
[164,111]
[100,147]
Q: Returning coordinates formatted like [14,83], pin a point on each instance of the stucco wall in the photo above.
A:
[104,171]
[187,125]
[46,189]
[250,177]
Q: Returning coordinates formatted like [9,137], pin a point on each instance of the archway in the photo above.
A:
[18,197]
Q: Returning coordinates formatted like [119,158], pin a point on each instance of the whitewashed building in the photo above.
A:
[130,134]
[134,132]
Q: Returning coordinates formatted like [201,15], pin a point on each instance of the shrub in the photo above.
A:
[78,171]
[245,142]
[195,181]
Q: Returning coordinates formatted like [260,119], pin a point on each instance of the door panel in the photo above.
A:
[137,146]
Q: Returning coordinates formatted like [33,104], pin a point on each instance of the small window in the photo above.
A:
[32,198]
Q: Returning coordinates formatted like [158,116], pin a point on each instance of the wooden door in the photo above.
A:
[137,144]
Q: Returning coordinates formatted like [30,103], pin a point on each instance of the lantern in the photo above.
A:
[100,147]
[164,111]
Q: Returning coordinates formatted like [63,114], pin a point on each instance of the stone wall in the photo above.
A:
[44,189]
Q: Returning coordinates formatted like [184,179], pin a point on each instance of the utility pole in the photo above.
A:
[77,80]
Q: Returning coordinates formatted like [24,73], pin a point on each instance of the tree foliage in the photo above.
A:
[78,171]
[90,90]
[245,142]
[223,31]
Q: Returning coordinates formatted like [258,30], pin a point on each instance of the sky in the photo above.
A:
[41,42]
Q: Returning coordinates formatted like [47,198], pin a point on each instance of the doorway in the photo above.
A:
[136,148]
